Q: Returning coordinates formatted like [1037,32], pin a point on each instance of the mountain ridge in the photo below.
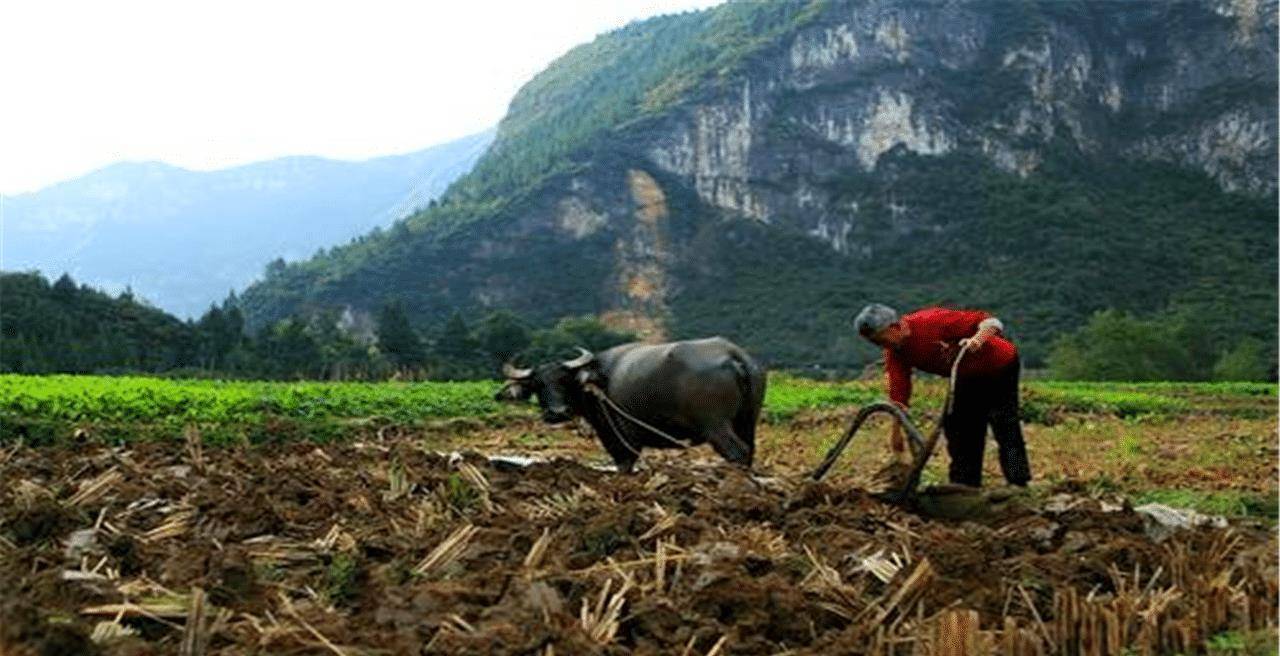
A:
[195,235]
[826,131]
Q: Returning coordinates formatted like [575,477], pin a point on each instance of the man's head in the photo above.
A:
[880,325]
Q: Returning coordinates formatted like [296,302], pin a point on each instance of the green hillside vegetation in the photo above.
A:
[1044,253]
[553,128]
[1081,234]
[65,328]
[1119,346]
[72,328]
[621,76]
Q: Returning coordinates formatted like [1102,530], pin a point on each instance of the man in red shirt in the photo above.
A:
[986,382]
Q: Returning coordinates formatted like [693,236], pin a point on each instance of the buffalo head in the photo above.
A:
[554,383]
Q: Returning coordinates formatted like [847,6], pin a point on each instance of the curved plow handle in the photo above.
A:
[913,434]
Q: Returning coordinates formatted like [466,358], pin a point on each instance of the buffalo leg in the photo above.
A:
[730,446]
[624,458]
[744,427]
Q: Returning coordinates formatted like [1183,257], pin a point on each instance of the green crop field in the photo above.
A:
[1200,444]
[47,409]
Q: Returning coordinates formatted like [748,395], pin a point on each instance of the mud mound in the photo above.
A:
[390,548]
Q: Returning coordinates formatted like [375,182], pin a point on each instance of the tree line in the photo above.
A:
[65,327]
[1170,345]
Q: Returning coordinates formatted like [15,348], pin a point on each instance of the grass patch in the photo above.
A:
[1229,503]
[340,579]
[460,494]
[787,397]
[1242,643]
[1128,448]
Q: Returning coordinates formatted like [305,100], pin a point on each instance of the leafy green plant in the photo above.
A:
[459,493]
[340,578]
[1242,643]
[45,409]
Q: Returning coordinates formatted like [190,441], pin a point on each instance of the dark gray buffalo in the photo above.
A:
[659,396]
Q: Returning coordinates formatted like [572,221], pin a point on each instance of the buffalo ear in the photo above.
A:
[585,376]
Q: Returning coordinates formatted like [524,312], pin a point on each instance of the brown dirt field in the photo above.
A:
[1195,452]
[389,547]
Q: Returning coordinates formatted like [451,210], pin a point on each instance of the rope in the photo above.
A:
[605,400]
[922,458]
[924,452]
[951,389]
[618,434]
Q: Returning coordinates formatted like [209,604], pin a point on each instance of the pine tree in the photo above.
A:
[456,343]
[64,288]
[502,335]
[398,339]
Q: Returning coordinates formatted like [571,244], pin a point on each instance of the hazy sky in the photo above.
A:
[213,84]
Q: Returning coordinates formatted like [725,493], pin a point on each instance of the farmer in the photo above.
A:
[986,382]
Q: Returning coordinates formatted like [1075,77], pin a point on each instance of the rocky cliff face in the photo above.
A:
[816,139]
[1188,83]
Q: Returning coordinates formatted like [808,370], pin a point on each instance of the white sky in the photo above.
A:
[213,84]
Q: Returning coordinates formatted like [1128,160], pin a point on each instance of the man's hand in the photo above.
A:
[897,444]
[986,329]
[972,344]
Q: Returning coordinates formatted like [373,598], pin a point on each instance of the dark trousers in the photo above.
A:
[979,401]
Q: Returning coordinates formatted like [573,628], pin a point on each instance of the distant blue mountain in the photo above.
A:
[183,239]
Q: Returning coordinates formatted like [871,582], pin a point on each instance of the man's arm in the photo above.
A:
[972,327]
[899,375]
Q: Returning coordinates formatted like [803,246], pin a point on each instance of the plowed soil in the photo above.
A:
[388,547]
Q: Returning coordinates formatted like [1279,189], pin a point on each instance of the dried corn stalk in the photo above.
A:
[479,483]
[107,631]
[559,504]
[447,551]
[539,549]
[176,525]
[398,484]
[337,539]
[665,522]
[195,634]
[840,598]
[601,620]
[879,566]
[96,488]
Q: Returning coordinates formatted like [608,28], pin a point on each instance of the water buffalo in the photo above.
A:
[705,390]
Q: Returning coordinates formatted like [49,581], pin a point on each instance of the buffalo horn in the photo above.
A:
[515,374]
[584,356]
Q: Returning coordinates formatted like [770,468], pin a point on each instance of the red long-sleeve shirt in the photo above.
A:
[933,343]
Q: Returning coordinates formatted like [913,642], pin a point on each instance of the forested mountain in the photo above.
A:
[761,170]
[65,327]
[183,239]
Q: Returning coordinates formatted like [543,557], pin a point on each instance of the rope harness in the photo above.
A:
[923,448]
[606,403]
